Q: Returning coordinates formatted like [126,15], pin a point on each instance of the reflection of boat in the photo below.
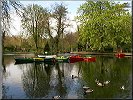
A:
[89,59]
[49,63]
[120,55]
[38,62]
[62,59]
[22,63]
[77,58]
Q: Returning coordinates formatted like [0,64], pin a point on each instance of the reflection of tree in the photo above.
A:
[4,91]
[35,81]
[118,73]
[7,60]
[60,86]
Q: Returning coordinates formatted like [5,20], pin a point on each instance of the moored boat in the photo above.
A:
[47,56]
[49,60]
[120,55]
[24,60]
[37,59]
[62,59]
[77,58]
[89,59]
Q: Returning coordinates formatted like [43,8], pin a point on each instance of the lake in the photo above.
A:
[43,81]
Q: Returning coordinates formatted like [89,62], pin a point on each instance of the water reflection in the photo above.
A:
[40,80]
[35,81]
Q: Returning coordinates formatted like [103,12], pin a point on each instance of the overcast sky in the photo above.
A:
[71,5]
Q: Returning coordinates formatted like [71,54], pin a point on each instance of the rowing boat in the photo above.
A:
[62,59]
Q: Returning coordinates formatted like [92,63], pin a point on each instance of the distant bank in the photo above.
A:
[92,53]
[98,53]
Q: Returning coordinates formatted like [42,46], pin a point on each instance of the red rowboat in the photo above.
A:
[77,58]
[120,55]
[90,59]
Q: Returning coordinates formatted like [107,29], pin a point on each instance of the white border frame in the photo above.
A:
[1,52]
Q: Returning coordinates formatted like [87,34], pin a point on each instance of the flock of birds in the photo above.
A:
[88,89]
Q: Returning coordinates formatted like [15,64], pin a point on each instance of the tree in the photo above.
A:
[46,48]
[7,5]
[38,22]
[104,24]
[34,20]
[71,40]
[59,15]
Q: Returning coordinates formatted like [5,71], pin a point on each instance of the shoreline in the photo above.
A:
[98,53]
[92,53]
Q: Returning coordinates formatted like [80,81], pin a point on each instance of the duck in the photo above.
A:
[56,97]
[74,76]
[123,88]
[100,84]
[88,91]
[86,87]
[106,82]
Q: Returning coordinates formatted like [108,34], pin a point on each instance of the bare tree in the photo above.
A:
[7,5]
[34,19]
[59,14]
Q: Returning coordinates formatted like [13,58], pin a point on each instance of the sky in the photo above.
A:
[71,5]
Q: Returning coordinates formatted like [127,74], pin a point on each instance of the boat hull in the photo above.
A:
[74,59]
[37,59]
[24,60]
[120,55]
[31,60]
[47,56]
[89,59]
[49,60]
[62,59]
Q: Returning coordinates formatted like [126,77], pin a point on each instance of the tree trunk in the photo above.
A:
[3,37]
[57,45]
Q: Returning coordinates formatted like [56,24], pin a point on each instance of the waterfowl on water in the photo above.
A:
[100,84]
[86,87]
[74,76]
[56,97]
[88,91]
[123,88]
[106,82]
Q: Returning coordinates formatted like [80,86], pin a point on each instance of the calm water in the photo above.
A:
[26,81]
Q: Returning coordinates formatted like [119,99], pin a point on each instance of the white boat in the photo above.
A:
[47,56]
